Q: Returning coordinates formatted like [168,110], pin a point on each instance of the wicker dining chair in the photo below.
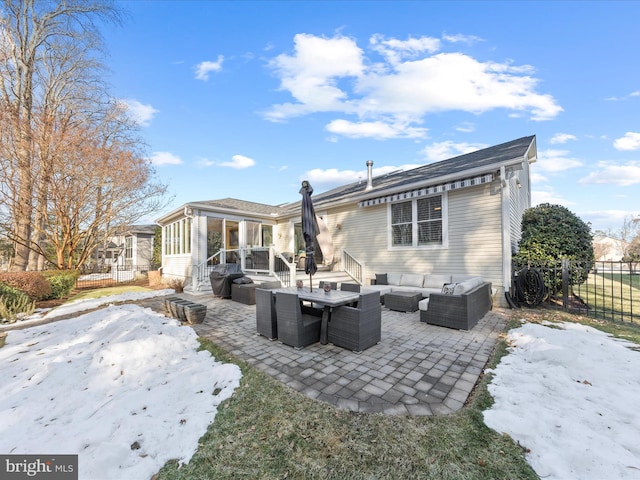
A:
[295,328]
[357,328]
[266,322]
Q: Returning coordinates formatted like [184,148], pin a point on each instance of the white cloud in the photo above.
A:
[140,113]
[448,149]
[204,68]
[311,75]
[460,38]
[205,162]
[630,141]
[555,161]
[614,174]
[607,220]
[548,195]
[377,130]
[395,50]
[165,158]
[538,178]
[466,127]
[334,75]
[562,138]
[334,177]
[238,162]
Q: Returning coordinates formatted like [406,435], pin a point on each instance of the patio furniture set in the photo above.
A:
[228,281]
[454,301]
[351,317]
[300,317]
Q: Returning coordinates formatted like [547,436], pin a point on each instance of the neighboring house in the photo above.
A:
[129,249]
[608,248]
[461,215]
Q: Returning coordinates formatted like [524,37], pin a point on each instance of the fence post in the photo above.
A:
[565,283]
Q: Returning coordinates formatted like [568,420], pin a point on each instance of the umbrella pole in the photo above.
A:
[310,283]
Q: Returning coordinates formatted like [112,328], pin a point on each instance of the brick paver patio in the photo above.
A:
[417,369]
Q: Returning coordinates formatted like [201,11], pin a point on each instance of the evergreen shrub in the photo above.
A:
[62,282]
[33,284]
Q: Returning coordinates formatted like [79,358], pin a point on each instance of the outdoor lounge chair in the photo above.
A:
[295,328]
[357,328]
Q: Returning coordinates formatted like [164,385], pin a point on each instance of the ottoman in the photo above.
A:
[244,293]
[402,301]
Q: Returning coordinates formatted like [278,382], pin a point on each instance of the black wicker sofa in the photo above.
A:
[460,310]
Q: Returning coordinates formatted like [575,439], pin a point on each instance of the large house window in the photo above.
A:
[417,222]
[128,251]
[177,237]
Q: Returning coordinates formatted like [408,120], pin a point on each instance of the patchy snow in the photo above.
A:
[123,387]
[569,394]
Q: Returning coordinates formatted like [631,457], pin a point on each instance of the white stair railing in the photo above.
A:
[353,267]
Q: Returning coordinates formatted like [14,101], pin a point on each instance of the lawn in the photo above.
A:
[611,295]
[267,430]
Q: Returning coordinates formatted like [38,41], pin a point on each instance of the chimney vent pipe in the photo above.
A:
[369,175]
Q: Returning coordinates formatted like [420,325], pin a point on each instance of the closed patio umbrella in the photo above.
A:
[309,229]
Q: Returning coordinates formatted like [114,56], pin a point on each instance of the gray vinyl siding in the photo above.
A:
[474,237]
[144,253]
[518,203]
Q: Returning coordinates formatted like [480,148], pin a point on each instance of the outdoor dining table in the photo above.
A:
[329,300]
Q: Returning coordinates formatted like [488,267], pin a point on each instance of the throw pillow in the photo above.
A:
[447,288]
[381,279]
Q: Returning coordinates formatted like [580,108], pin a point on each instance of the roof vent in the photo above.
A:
[369,175]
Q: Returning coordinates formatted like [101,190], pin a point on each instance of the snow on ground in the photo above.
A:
[122,387]
[570,396]
[107,382]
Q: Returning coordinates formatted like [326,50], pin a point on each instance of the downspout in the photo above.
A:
[506,231]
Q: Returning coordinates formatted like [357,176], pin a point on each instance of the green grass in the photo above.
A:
[624,278]
[609,294]
[105,292]
[268,431]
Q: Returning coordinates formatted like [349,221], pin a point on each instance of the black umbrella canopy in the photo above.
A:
[309,227]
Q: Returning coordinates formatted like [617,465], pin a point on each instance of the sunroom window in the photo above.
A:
[177,237]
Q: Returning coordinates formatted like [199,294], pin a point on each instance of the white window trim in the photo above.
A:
[174,238]
[414,221]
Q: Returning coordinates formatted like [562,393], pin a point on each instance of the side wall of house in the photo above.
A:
[144,250]
[474,238]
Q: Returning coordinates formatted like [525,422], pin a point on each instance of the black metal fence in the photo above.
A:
[603,290]
[113,275]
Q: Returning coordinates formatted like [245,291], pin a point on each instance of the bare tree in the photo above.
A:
[98,181]
[33,35]
[629,232]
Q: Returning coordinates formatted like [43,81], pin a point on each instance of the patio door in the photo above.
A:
[300,245]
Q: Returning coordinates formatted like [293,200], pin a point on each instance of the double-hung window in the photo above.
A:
[418,222]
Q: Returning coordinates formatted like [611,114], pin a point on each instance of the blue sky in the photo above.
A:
[246,99]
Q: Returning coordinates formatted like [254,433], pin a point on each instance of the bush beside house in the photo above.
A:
[20,290]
